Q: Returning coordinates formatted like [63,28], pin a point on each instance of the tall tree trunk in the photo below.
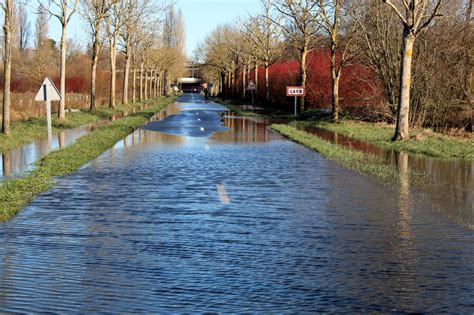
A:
[222,85]
[95,59]
[468,76]
[113,65]
[256,78]
[167,83]
[244,81]
[468,29]
[402,130]
[126,72]
[134,85]
[304,53]
[62,102]
[145,92]
[141,81]
[267,83]
[335,76]
[160,84]
[7,65]
[335,96]
[151,84]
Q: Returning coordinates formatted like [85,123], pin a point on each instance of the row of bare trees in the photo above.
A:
[147,34]
[420,50]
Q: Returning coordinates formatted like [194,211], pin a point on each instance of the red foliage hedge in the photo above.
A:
[358,86]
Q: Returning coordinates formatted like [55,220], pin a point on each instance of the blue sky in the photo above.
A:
[200,18]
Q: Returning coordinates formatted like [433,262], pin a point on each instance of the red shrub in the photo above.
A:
[358,86]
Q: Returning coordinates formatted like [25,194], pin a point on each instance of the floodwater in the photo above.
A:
[180,219]
[449,185]
[22,159]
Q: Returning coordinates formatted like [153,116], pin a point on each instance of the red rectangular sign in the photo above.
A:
[295,91]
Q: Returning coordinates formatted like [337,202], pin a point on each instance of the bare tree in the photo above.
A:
[137,13]
[41,30]
[469,63]
[265,41]
[173,40]
[63,10]
[114,23]
[95,12]
[300,25]
[332,14]
[141,54]
[7,7]
[467,38]
[379,38]
[24,28]
[417,15]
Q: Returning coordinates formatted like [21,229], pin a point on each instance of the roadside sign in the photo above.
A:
[48,92]
[251,86]
[295,91]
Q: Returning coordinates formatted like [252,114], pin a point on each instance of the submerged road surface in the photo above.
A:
[188,214]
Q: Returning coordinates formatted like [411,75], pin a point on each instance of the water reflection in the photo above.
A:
[449,185]
[233,224]
[21,160]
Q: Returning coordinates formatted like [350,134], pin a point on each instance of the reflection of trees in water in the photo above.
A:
[6,164]
[62,139]
[243,130]
[404,200]
[450,186]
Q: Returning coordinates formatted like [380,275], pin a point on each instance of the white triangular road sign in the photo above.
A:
[48,92]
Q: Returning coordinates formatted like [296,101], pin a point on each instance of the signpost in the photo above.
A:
[296,91]
[47,93]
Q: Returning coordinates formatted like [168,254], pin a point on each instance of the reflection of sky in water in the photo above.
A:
[242,221]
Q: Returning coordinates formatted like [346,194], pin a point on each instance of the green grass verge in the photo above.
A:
[17,193]
[355,160]
[26,131]
[427,142]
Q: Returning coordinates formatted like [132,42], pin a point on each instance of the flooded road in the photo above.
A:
[175,218]
[22,159]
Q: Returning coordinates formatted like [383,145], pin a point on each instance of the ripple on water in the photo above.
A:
[143,229]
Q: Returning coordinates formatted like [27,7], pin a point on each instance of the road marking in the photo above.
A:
[202,128]
[224,198]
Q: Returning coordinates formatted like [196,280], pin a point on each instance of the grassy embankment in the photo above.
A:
[425,142]
[355,160]
[17,193]
[26,131]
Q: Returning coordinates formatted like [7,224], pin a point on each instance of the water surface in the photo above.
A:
[240,220]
